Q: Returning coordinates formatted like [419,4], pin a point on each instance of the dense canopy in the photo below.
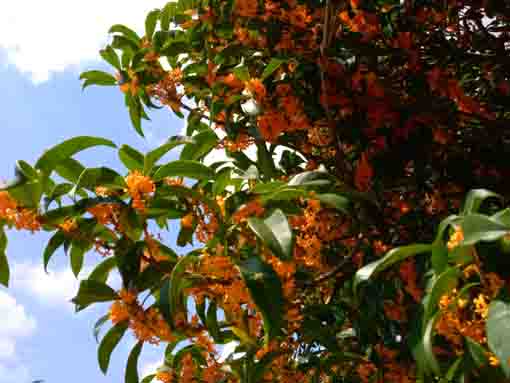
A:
[353,228]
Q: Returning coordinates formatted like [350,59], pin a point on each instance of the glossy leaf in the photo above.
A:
[275,232]
[108,344]
[152,157]
[266,291]
[475,198]
[97,77]
[54,243]
[478,227]
[184,168]
[498,332]
[131,375]
[335,201]
[131,158]
[4,264]
[393,256]
[91,291]
[52,157]
[270,68]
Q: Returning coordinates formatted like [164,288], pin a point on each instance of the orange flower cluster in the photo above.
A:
[139,187]
[105,213]
[317,227]
[148,325]
[252,208]
[166,90]
[13,214]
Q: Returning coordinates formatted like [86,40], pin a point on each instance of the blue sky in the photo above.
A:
[41,104]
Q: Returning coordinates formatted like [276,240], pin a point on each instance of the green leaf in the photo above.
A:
[54,156]
[69,169]
[108,344]
[175,298]
[126,32]
[212,321]
[478,227]
[478,353]
[110,56]
[270,68]
[91,291]
[99,323]
[4,264]
[167,14]
[275,232]
[309,178]
[149,378]
[203,143]
[78,249]
[442,284]
[155,155]
[54,243]
[184,168]
[428,336]
[102,271]
[150,22]
[475,198]
[439,257]
[393,256]
[97,77]
[131,158]
[132,364]
[92,177]
[266,291]
[135,113]
[335,201]
[498,332]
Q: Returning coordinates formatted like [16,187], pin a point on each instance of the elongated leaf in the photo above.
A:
[110,56]
[78,250]
[335,201]
[176,298]
[184,168]
[478,353]
[102,271]
[52,157]
[97,77]
[478,227]
[97,326]
[498,332]
[155,155]
[92,177]
[150,24]
[475,198]
[203,143]
[275,232]
[4,264]
[149,378]
[131,158]
[108,344]
[443,284]
[126,32]
[393,256]
[54,243]
[131,375]
[92,292]
[69,169]
[270,68]
[266,291]
[428,336]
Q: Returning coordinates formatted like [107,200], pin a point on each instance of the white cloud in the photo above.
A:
[53,288]
[44,37]
[16,323]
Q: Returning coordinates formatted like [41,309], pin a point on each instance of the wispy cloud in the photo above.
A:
[44,37]
[16,324]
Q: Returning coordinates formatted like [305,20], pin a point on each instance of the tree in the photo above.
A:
[344,252]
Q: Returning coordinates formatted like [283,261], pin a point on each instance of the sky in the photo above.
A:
[44,45]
